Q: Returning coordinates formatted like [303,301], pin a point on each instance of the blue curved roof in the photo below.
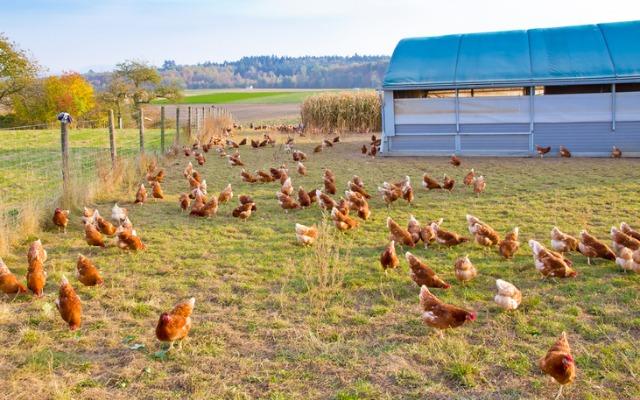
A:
[595,53]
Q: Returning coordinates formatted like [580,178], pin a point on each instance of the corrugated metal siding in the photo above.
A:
[485,144]
[409,129]
[592,138]
[491,128]
[422,144]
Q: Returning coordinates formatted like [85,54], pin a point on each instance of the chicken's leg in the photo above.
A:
[559,395]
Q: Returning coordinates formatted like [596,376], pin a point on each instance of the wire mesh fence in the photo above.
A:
[31,157]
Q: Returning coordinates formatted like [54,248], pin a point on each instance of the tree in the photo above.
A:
[17,71]
[144,80]
[116,95]
[44,98]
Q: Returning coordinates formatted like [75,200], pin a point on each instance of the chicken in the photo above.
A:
[413,227]
[354,187]
[205,210]
[440,315]
[508,296]
[616,153]
[242,142]
[407,190]
[510,245]
[479,185]
[330,186]
[358,203]
[188,170]
[156,190]
[184,201]
[255,143]
[621,240]
[176,324]
[398,234]
[564,152]
[8,282]
[287,187]
[118,214]
[61,219]
[234,160]
[313,195]
[468,178]
[325,202]
[87,273]
[193,182]
[625,261]
[455,161]
[141,194]
[68,303]
[318,148]
[336,139]
[37,252]
[298,156]
[389,258]
[158,177]
[542,150]
[423,275]
[93,236]
[342,221]
[247,177]
[549,263]
[127,239]
[276,173]
[428,232]
[373,150]
[558,363]
[301,169]
[363,149]
[303,198]
[562,242]
[226,195]
[306,235]
[36,277]
[429,183]
[104,226]
[591,247]
[286,202]
[197,177]
[624,227]
[390,193]
[327,143]
[448,183]
[464,269]
[447,238]
[485,235]
[243,211]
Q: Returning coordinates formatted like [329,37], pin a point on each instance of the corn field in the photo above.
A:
[354,112]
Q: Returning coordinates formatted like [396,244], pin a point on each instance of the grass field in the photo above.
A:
[274,320]
[244,97]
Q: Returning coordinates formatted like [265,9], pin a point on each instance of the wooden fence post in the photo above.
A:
[64,141]
[162,129]
[112,140]
[141,116]
[177,139]
[197,120]
[119,121]
[189,121]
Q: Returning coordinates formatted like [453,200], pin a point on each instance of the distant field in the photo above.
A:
[245,97]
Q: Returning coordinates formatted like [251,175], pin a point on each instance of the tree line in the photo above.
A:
[272,72]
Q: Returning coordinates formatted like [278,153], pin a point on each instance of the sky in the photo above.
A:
[76,35]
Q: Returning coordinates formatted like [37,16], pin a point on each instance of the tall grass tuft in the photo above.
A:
[342,112]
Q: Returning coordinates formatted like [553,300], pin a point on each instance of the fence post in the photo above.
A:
[197,120]
[189,121]
[119,121]
[177,139]
[141,130]
[162,129]
[64,141]
[112,140]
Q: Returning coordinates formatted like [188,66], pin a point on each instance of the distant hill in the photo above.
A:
[273,72]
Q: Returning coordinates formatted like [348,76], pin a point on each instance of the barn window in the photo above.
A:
[628,87]
[410,94]
[577,89]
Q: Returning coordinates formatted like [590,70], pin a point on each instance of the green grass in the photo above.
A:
[245,97]
[275,320]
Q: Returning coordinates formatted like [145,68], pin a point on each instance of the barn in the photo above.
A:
[503,93]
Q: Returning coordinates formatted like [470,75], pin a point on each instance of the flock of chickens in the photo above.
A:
[345,214]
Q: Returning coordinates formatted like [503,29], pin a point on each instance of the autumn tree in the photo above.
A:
[17,71]
[45,98]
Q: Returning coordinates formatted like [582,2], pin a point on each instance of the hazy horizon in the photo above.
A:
[80,35]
